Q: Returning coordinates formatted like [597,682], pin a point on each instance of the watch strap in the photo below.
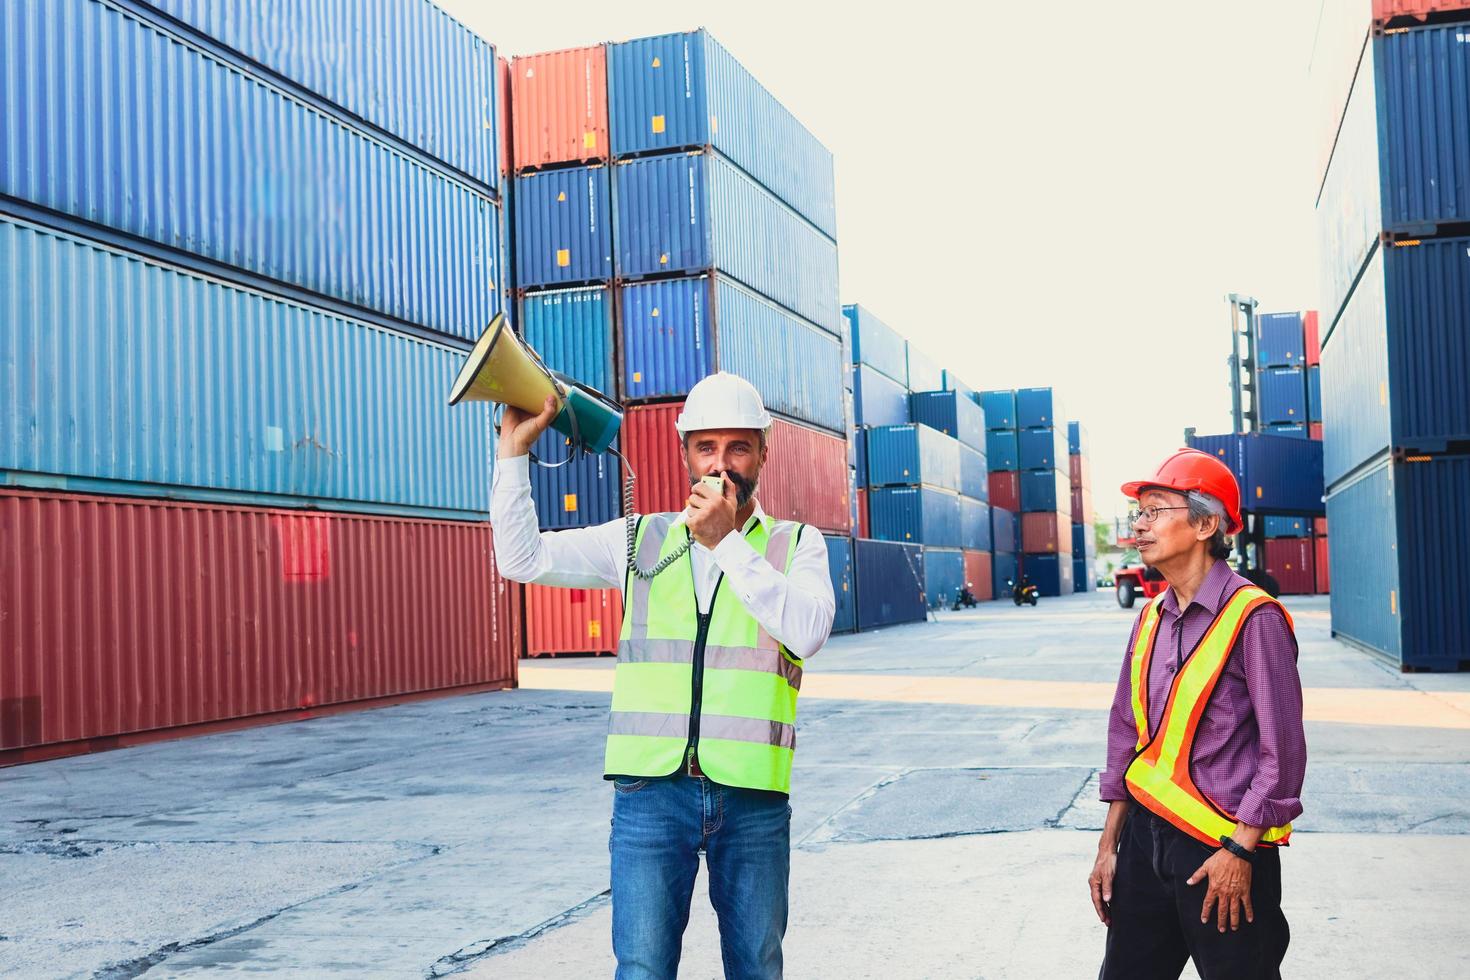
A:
[1231,845]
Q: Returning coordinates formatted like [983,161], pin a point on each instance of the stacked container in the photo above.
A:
[1394,218]
[1084,540]
[268,314]
[1004,483]
[1045,491]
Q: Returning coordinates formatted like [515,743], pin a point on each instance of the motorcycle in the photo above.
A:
[966,599]
[1023,592]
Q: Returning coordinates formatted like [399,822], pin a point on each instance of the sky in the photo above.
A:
[1060,200]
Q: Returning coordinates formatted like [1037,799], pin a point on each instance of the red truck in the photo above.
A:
[1135,578]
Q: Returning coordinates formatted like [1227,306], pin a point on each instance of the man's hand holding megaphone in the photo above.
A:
[519,430]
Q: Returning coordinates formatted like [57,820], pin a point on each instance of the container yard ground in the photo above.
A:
[944,822]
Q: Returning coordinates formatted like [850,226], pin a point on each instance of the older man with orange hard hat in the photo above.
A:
[1206,751]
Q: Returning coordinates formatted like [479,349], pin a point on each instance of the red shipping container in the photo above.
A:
[1046,534]
[1290,562]
[1081,506]
[559,107]
[978,575]
[1385,10]
[1080,471]
[502,77]
[152,619]
[1312,347]
[572,620]
[1314,430]
[1324,574]
[1319,526]
[805,478]
[862,514]
[1005,490]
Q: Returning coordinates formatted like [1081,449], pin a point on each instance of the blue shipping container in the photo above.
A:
[404,66]
[1287,527]
[1046,490]
[1291,430]
[1002,451]
[584,492]
[950,413]
[1400,534]
[1276,474]
[1280,339]
[910,455]
[1077,442]
[563,227]
[572,330]
[974,525]
[974,480]
[231,167]
[839,562]
[1423,105]
[1005,566]
[677,331]
[890,583]
[953,383]
[1051,574]
[681,91]
[1042,449]
[1000,410]
[876,344]
[193,389]
[1079,538]
[1082,575]
[698,213]
[1314,393]
[1005,530]
[1283,395]
[917,515]
[1037,408]
[944,576]
[877,399]
[924,374]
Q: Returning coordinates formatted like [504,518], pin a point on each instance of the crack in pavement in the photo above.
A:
[462,958]
[862,795]
[1056,821]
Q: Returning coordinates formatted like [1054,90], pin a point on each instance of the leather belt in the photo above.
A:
[691,766]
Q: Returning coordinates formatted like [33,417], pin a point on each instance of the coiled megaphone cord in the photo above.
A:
[631,521]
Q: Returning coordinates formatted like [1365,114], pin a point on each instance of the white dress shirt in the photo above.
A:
[796,608]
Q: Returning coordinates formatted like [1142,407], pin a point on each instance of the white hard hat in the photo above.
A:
[723,401]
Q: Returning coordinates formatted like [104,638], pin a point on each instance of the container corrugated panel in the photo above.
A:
[1082,510]
[1321,564]
[1080,534]
[1341,37]
[572,330]
[857,455]
[1366,600]
[1044,490]
[667,334]
[403,65]
[1355,392]
[924,374]
[502,76]
[1046,533]
[563,227]
[1312,343]
[1005,529]
[1280,340]
[196,389]
[1424,105]
[1428,308]
[950,413]
[1000,409]
[1082,575]
[860,529]
[1051,574]
[572,620]
[1078,443]
[584,492]
[1042,449]
[909,455]
[678,91]
[146,615]
[974,524]
[1434,538]
[230,167]
[953,383]
[876,344]
[1350,204]
[1275,474]
[1283,395]
[890,583]
[1079,471]
[877,399]
[973,481]
[1005,489]
[1037,408]
[1288,527]
[1385,10]
[944,576]
[697,213]
[1314,393]
[1002,450]
[980,575]
[1289,562]
[1005,566]
[559,107]
[839,562]
[917,515]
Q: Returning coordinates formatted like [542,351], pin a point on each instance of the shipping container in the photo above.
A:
[1000,409]
[1350,201]
[979,575]
[1314,431]
[1283,396]
[877,399]
[1385,11]
[916,515]
[1078,443]
[147,616]
[924,374]
[1423,105]
[1289,562]
[1082,508]
[1321,565]
[195,389]
[1045,490]
[1280,340]
[861,528]
[950,413]
[1276,475]
[909,455]
[698,214]
[1340,37]
[1314,393]
[839,561]
[1005,568]
[1046,534]
[572,620]
[229,166]
[890,583]
[587,490]
[974,524]
[572,330]
[1079,471]
[1005,489]
[559,108]
[1042,449]
[563,228]
[1037,408]
[1287,527]
[1290,430]
[1082,575]
[953,383]
[1051,574]
[1312,342]
[1081,534]
[683,91]
[876,344]
[1002,449]
[405,66]
[1005,529]
[944,576]
[973,478]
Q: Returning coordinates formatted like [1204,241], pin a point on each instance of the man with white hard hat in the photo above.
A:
[702,732]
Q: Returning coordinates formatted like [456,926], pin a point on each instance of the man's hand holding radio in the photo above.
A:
[711,512]
[519,430]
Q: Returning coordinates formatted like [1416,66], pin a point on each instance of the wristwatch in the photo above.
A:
[1230,845]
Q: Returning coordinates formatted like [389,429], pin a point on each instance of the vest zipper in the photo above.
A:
[697,696]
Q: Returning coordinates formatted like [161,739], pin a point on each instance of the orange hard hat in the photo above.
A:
[1190,469]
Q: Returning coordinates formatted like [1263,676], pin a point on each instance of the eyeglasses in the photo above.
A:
[1149,514]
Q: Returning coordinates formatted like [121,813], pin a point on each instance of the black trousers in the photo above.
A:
[1156,927]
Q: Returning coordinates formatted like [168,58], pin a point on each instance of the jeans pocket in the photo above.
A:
[633,786]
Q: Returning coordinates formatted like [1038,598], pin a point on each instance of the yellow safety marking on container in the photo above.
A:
[657,62]
[561,198]
[563,257]
[1393,601]
[569,502]
[844,586]
[594,628]
[714,123]
[655,312]
[1383,392]
[637,375]
[488,124]
[663,259]
[658,124]
[1258,493]
[589,141]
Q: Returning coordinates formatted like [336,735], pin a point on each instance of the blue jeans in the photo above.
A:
[659,826]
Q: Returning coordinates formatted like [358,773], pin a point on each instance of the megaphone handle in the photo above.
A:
[630,520]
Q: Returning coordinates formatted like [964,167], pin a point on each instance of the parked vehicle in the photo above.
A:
[1023,592]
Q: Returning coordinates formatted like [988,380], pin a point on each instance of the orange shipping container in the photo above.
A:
[1386,10]
[978,574]
[862,514]
[572,620]
[1046,533]
[1324,575]
[559,108]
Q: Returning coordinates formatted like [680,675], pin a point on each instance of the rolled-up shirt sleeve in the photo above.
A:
[580,558]
[1268,650]
[797,608]
[1122,734]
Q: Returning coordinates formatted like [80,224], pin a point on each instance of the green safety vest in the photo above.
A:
[715,682]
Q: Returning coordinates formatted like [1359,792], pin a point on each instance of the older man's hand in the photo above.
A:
[711,513]
[1230,888]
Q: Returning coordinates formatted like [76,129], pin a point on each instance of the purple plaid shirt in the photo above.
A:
[1250,752]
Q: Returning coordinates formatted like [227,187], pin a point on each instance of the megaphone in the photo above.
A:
[503,368]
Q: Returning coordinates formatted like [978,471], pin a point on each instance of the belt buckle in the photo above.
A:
[691,766]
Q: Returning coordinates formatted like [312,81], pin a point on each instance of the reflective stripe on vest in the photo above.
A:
[747,718]
[1159,776]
